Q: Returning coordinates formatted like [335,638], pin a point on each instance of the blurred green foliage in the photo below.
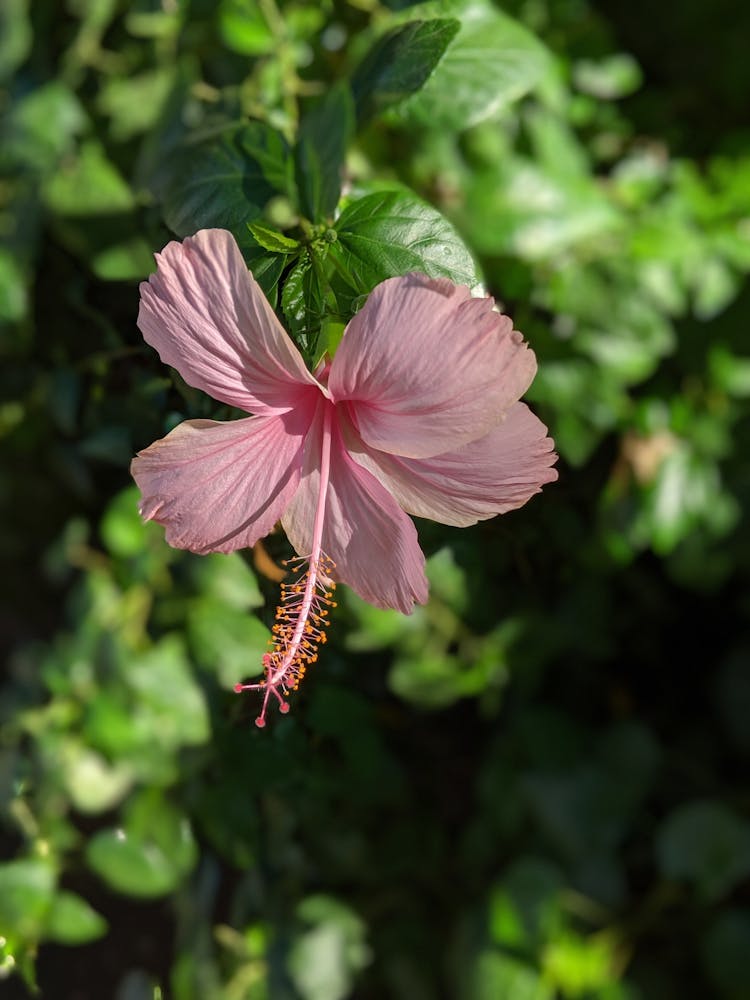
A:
[534,787]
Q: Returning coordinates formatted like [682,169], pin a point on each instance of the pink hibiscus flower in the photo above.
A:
[418,411]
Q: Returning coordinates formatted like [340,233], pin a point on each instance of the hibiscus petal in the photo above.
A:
[372,542]
[427,368]
[495,474]
[217,487]
[207,317]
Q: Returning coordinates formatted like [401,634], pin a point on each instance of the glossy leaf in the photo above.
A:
[391,233]
[324,135]
[303,300]
[271,239]
[267,267]
[491,62]
[400,63]
[223,179]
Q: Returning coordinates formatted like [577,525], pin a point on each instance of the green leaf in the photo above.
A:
[72,921]
[26,890]
[128,259]
[227,641]
[91,781]
[244,29]
[448,581]
[325,959]
[730,372]
[122,528]
[129,865]
[13,294]
[332,332]
[610,78]
[706,844]
[172,709]
[89,185]
[715,286]
[15,35]
[400,63]
[430,678]
[392,233]
[579,966]
[150,856]
[491,62]
[526,909]
[164,22]
[302,300]
[43,126]
[324,134]
[272,239]
[225,178]
[497,975]
[228,579]
[94,14]
[518,209]
[267,269]
[378,628]
[134,104]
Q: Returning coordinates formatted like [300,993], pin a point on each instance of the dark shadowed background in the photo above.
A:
[536,787]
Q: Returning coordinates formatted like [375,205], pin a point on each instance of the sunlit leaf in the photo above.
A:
[391,233]
[491,62]
[499,975]
[227,641]
[608,79]
[26,894]
[72,921]
[325,959]
[399,63]
[89,185]
[244,28]
[150,855]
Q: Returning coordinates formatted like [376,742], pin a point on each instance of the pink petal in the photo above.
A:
[495,474]
[427,367]
[217,487]
[372,542]
[207,317]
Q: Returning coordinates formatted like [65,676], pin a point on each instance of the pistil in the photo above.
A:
[302,614]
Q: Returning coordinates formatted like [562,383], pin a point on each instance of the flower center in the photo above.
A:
[302,614]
